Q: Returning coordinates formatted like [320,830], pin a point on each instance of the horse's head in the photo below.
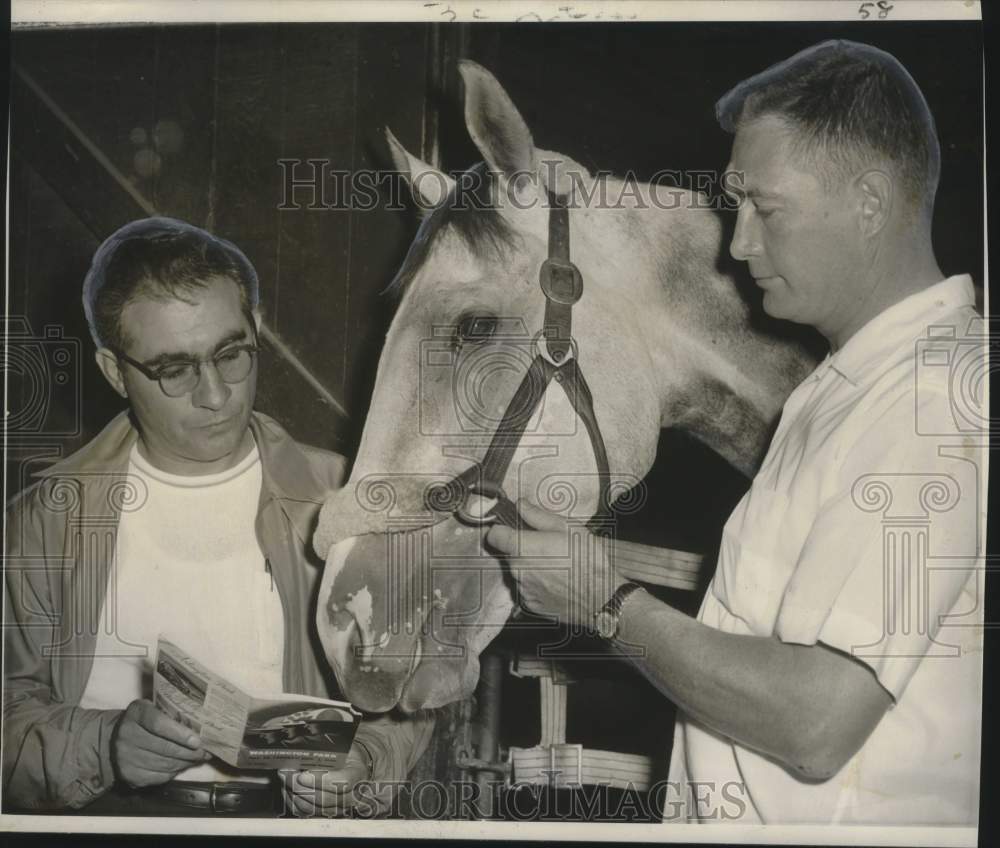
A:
[410,596]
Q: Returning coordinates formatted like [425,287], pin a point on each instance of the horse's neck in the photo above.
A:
[723,382]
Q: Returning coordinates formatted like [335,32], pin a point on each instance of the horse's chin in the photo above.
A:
[375,684]
[436,684]
[438,681]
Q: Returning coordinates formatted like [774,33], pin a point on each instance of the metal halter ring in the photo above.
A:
[483,489]
[541,347]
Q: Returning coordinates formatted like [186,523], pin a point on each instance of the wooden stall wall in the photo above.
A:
[110,124]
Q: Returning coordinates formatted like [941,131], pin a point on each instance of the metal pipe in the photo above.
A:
[488,699]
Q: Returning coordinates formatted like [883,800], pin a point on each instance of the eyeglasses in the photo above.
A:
[234,365]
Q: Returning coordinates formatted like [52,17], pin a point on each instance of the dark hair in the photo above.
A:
[158,258]
[851,106]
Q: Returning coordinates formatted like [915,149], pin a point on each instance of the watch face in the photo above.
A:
[606,624]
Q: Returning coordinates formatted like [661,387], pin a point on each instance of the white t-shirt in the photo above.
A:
[188,566]
[863,530]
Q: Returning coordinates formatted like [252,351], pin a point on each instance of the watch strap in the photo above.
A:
[615,603]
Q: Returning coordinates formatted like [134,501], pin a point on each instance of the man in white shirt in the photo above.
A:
[190,515]
[834,671]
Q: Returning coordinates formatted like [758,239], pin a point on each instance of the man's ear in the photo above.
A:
[876,195]
[108,363]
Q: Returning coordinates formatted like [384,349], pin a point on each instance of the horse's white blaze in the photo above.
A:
[335,639]
[360,606]
[335,562]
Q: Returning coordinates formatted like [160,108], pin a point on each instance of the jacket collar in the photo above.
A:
[288,473]
[878,343]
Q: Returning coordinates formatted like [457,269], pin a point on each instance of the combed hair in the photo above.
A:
[851,107]
[160,259]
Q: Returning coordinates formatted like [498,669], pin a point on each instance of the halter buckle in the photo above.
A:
[541,344]
[561,281]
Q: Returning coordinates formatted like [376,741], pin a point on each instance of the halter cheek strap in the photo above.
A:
[562,285]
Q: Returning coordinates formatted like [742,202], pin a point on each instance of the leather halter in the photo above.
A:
[555,358]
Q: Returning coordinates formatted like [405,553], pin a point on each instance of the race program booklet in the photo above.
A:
[276,732]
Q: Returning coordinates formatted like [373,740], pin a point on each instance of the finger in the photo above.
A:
[141,777]
[503,539]
[328,791]
[299,806]
[143,740]
[327,801]
[161,768]
[145,761]
[540,519]
[160,724]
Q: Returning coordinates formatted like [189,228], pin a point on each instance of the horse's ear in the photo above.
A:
[494,123]
[429,185]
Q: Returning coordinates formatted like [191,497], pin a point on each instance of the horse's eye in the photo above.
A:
[475,328]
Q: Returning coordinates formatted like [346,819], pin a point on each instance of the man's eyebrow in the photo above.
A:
[169,357]
[739,191]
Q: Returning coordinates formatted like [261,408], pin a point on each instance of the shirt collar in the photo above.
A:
[287,471]
[866,353]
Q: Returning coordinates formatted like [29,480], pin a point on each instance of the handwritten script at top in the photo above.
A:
[563,13]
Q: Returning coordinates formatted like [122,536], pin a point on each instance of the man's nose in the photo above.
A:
[212,391]
[746,240]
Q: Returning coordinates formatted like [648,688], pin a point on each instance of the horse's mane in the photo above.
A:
[470,211]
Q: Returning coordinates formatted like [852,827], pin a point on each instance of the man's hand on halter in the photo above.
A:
[329,792]
[562,570]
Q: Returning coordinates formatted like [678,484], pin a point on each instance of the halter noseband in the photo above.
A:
[555,358]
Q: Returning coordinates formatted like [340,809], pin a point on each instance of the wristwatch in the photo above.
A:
[608,617]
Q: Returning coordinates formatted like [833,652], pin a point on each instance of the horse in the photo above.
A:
[657,329]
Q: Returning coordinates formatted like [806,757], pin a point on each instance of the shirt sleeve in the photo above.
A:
[894,547]
[395,742]
[55,754]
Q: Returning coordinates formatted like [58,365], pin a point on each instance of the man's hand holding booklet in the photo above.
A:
[273,732]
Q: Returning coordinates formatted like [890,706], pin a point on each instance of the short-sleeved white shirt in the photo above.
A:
[863,530]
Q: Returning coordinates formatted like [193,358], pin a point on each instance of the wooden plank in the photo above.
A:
[392,92]
[317,120]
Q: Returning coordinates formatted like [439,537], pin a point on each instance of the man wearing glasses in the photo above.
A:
[189,515]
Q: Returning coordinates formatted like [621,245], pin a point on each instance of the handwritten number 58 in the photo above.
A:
[883,7]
